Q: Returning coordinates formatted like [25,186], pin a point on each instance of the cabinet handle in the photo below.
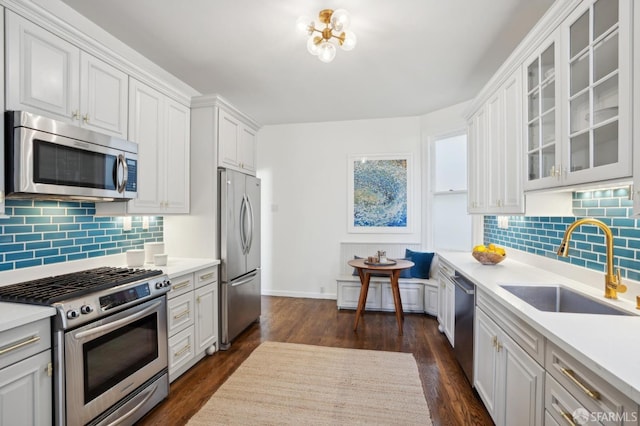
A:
[568,417]
[181,314]
[85,118]
[15,346]
[182,351]
[49,369]
[495,341]
[180,285]
[569,373]
[75,115]
[206,276]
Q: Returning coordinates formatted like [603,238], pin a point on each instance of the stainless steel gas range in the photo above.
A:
[109,342]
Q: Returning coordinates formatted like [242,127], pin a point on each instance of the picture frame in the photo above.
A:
[380,193]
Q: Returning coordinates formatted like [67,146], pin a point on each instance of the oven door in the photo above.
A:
[108,359]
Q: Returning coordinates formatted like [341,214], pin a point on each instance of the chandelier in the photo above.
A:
[321,40]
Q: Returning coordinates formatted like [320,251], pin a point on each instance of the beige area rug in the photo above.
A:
[286,383]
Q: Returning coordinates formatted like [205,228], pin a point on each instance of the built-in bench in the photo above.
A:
[417,294]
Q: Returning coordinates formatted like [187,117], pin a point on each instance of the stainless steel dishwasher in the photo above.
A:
[465,301]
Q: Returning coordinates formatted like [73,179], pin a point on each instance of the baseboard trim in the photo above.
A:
[302,294]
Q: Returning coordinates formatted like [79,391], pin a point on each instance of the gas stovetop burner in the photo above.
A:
[49,290]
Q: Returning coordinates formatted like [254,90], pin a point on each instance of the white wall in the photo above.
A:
[303,168]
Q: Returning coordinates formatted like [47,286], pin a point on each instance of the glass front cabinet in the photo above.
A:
[543,117]
[578,101]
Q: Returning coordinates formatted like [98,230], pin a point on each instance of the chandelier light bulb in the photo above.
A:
[349,41]
[326,52]
[340,20]
[312,46]
[305,25]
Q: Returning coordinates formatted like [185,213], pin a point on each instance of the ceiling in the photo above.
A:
[412,56]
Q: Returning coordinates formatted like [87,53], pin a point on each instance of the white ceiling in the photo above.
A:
[412,56]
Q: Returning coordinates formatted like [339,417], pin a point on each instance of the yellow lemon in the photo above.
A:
[500,251]
[480,248]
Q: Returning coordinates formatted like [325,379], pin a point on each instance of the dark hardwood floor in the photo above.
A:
[318,322]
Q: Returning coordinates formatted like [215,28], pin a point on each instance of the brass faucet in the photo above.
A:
[612,281]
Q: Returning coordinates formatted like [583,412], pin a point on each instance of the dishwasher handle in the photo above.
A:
[464,285]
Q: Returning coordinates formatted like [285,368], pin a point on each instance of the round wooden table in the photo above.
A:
[365,270]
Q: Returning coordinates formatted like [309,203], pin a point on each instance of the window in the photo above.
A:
[450,222]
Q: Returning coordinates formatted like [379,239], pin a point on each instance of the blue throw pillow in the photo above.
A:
[422,262]
[405,273]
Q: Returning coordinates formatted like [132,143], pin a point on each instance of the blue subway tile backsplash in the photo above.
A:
[44,232]
[542,235]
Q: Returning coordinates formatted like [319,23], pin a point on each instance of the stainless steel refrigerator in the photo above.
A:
[239,230]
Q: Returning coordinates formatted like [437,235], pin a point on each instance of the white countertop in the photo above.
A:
[607,344]
[17,314]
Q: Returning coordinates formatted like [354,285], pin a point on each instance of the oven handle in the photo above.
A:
[122,418]
[116,324]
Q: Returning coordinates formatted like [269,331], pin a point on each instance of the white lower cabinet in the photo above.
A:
[192,319]
[206,304]
[446,302]
[380,296]
[575,394]
[431,299]
[25,375]
[508,380]
[349,294]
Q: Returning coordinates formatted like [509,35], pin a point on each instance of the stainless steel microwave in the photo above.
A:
[49,159]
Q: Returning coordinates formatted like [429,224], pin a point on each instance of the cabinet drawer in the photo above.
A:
[181,285]
[21,342]
[180,313]
[181,349]
[591,391]
[524,335]
[560,405]
[206,276]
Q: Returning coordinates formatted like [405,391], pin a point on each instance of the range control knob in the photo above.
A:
[159,285]
[167,283]
[73,314]
[86,309]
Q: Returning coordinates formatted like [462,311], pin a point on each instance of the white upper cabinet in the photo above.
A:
[236,143]
[49,76]
[2,141]
[104,92]
[579,99]
[495,140]
[476,152]
[597,68]
[542,116]
[160,127]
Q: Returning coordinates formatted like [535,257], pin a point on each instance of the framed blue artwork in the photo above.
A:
[380,192]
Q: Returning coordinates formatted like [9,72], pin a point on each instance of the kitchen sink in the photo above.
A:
[555,298]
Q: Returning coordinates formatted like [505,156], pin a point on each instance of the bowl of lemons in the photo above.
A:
[489,255]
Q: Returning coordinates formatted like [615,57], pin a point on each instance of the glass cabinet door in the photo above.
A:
[541,139]
[594,87]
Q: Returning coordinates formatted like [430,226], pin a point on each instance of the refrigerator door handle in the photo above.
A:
[251,223]
[244,280]
[243,233]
